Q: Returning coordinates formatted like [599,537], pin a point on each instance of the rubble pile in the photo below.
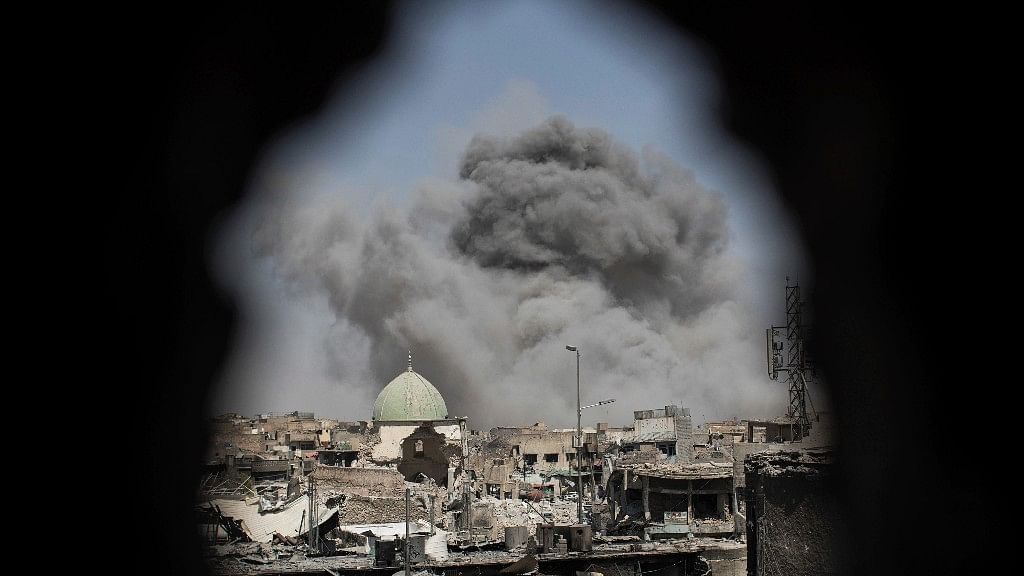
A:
[477,486]
[356,509]
[561,511]
[511,513]
[802,462]
[366,447]
[255,553]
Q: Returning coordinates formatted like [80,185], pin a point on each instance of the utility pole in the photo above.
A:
[794,363]
[579,440]
[406,532]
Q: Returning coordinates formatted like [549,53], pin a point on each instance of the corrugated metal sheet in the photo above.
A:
[261,527]
[386,528]
[435,547]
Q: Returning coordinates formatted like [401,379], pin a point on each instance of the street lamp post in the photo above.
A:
[579,435]
[579,441]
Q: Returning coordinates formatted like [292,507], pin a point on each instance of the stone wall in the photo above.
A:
[726,560]
[303,426]
[247,442]
[376,482]
[648,426]
[547,442]
[362,510]
[389,448]
[275,424]
[684,435]
[371,510]
[791,513]
[432,458]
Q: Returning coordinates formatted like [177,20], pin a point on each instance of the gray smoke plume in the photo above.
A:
[558,236]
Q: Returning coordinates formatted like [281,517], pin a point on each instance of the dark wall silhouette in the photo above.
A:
[875,127]
[849,107]
[196,95]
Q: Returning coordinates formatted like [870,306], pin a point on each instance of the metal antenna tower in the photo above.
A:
[794,362]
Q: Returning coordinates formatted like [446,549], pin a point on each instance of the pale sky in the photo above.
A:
[455,69]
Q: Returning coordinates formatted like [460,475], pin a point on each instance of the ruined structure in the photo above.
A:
[666,431]
[659,493]
[673,500]
[540,448]
[791,513]
[415,432]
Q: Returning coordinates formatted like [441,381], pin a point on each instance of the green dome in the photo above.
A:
[409,396]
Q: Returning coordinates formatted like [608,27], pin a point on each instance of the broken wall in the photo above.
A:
[391,436]
[275,424]
[377,482]
[303,426]
[664,423]
[547,442]
[356,509]
[791,513]
[427,452]
[683,428]
[239,441]
[740,452]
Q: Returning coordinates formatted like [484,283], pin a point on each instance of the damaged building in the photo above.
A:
[414,431]
[374,495]
[541,459]
[656,493]
[791,512]
[673,500]
[662,434]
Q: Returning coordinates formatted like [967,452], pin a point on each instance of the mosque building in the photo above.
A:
[416,430]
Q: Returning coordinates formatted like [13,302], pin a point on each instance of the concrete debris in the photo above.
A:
[803,462]
[792,513]
[527,565]
[659,489]
[289,540]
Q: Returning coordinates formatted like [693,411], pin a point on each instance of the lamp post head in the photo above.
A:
[570,348]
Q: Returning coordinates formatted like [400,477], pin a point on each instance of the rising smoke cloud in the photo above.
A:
[557,236]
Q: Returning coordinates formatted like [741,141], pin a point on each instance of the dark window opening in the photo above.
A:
[419,449]
[529,459]
[705,507]
[551,458]
[668,449]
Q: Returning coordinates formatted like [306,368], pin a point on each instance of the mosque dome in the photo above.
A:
[409,396]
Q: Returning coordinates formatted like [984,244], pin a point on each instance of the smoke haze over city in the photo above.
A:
[532,224]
